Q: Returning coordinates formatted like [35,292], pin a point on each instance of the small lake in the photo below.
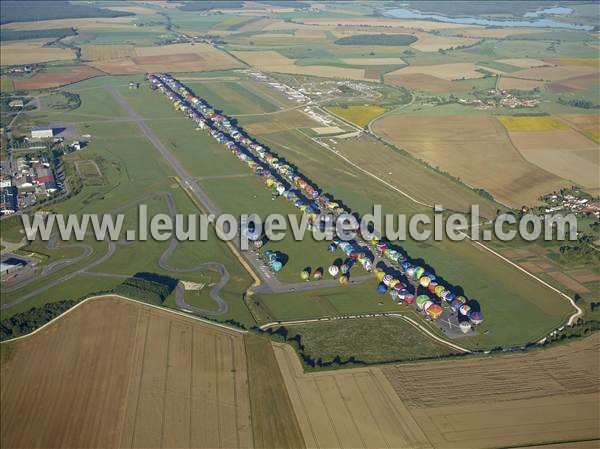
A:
[403,13]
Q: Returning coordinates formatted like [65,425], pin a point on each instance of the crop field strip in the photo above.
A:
[172,381]
[518,399]
[354,408]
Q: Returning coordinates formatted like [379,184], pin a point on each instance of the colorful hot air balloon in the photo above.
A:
[344,268]
[438,290]
[431,287]
[318,274]
[464,309]
[409,299]
[333,270]
[276,266]
[304,275]
[344,279]
[434,311]
[476,317]
[410,272]
[381,288]
[418,272]
[421,300]
[424,281]
[379,274]
[394,294]
[387,279]
[456,304]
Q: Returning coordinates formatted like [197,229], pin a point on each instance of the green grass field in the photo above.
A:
[374,340]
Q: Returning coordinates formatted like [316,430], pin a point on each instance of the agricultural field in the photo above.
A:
[176,58]
[482,142]
[347,408]
[359,115]
[515,400]
[44,80]
[150,375]
[32,52]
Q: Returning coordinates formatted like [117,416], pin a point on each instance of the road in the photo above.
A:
[88,251]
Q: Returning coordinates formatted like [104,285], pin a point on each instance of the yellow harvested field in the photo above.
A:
[564,152]
[112,22]
[555,73]
[359,115]
[271,61]
[32,52]
[424,25]
[507,83]
[134,9]
[374,61]
[430,42]
[534,123]
[448,72]
[257,25]
[515,400]
[474,148]
[591,62]
[114,373]
[427,83]
[347,408]
[525,63]
[104,52]
[173,58]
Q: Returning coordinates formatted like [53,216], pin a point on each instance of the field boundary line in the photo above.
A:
[163,309]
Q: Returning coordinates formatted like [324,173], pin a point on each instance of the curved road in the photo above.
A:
[162,262]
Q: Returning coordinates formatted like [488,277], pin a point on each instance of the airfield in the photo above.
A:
[410,114]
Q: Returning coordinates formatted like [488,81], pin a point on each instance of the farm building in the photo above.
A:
[16,104]
[41,132]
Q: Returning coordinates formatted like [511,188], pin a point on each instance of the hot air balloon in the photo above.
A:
[476,317]
[387,279]
[344,279]
[424,281]
[276,265]
[344,268]
[394,294]
[410,272]
[409,299]
[381,288]
[431,287]
[421,300]
[418,272]
[465,326]
[438,290]
[405,266]
[318,274]
[434,311]
[304,275]
[333,270]
[464,309]
[379,274]
[400,286]
[456,304]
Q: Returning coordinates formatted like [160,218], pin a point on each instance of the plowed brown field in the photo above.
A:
[521,399]
[113,373]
